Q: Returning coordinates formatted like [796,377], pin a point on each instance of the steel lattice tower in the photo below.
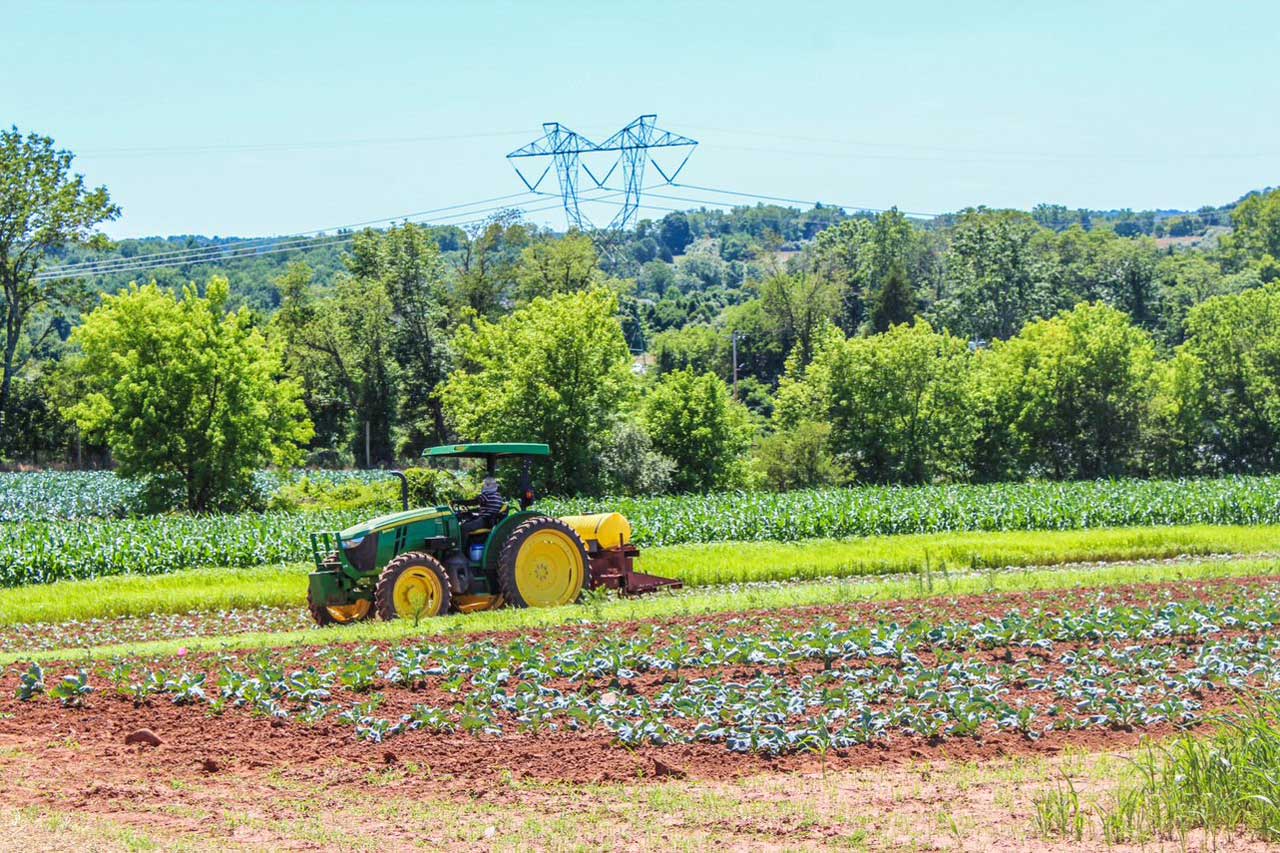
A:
[563,147]
[632,144]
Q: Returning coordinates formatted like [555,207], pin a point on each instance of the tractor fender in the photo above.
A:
[501,533]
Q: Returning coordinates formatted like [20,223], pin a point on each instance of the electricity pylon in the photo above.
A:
[563,147]
[633,145]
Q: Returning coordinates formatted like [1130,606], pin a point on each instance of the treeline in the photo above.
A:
[985,346]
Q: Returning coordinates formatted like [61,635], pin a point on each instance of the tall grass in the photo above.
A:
[1226,783]
[737,562]
[1189,789]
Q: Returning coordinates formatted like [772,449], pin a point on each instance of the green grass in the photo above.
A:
[697,603]
[697,565]
[738,562]
[1221,785]
[140,595]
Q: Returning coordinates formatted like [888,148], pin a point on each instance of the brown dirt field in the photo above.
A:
[262,783]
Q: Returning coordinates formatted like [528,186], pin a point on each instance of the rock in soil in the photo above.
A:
[143,736]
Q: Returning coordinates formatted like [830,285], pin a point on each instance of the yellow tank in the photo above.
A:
[605,529]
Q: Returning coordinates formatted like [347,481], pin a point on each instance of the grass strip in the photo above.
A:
[284,585]
[712,600]
[740,562]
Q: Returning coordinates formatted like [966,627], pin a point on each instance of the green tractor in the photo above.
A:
[437,560]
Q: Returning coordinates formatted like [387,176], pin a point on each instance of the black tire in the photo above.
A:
[507,560]
[384,598]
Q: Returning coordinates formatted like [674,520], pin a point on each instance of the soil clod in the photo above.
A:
[146,737]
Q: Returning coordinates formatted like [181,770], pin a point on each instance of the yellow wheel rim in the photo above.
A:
[549,569]
[417,593]
[353,612]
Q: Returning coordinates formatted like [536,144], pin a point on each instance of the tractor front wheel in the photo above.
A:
[412,586]
[542,564]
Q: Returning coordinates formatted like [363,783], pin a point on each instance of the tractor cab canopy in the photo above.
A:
[494,451]
[491,453]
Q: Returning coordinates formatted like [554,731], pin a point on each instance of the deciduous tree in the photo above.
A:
[188,396]
[43,207]
[692,421]
[556,370]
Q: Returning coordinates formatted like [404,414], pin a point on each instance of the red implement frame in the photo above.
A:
[611,568]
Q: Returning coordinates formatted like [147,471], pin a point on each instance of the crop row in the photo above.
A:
[1109,667]
[891,510]
[44,551]
[55,495]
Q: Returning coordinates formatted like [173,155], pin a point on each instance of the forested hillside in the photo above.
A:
[981,345]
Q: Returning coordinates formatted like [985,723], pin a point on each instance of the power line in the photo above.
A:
[103,153]
[990,155]
[178,254]
[143,264]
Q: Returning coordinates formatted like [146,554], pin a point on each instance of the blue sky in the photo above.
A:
[256,118]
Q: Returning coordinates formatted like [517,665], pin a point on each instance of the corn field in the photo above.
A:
[42,551]
[891,510]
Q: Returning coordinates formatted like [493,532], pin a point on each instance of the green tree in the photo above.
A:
[798,306]
[1175,425]
[897,403]
[342,345]
[859,255]
[798,458]
[630,465]
[1256,222]
[700,346]
[486,265]
[674,232]
[894,303]
[556,370]
[1064,398]
[1184,280]
[996,282]
[562,265]
[187,395]
[406,262]
[43,207]
[692,421]
[1236,342]
[761,351]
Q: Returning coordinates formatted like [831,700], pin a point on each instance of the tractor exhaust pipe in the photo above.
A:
[404,488]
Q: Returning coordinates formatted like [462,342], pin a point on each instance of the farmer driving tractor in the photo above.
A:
[490,507]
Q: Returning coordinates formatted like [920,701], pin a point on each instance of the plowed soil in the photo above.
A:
[77,757]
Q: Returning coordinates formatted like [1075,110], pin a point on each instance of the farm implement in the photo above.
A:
[431,561]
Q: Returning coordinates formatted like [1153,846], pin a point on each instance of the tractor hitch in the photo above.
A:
[612,568]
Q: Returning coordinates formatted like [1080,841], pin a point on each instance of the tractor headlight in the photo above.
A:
[352,543]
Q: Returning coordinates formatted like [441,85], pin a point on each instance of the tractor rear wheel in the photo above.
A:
[542,564]
[412,586]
